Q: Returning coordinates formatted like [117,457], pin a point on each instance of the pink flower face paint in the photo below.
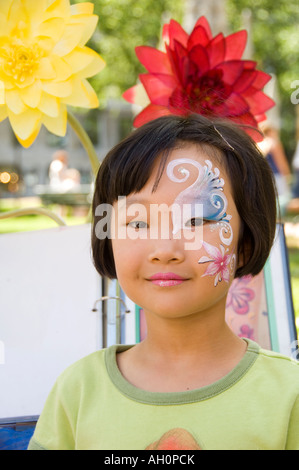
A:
[220,263]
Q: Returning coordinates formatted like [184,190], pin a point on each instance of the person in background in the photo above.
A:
[295,163]
[61,177]
[273,150]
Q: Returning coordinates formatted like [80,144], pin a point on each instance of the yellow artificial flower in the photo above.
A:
[44,64]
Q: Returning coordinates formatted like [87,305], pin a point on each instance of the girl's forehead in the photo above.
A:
[185,166]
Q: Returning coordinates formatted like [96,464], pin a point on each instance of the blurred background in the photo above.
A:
[32,177]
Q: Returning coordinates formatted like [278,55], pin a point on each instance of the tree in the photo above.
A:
[123,25]
[275,44]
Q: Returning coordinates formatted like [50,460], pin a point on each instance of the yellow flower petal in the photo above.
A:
[2,93]
[83,95]
[82,57]
[28,142]
[60,89]
[94,68]
[71,38]
[82,8]
[35,9]
[58,8]
[16,11]
[57,125]
[89,24]
[45,70]
[62,69]
[25,124]
[5,6]
[31,96]
[52,28]
[44,63]
[49,105]
[14,102]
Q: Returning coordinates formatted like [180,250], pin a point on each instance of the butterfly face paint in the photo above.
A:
[206,193]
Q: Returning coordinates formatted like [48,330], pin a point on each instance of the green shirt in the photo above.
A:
[92,406]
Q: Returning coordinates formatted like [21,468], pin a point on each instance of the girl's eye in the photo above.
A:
[137,224]
[195,222]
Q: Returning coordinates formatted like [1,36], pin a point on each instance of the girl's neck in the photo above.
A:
[178,356]
[199,337]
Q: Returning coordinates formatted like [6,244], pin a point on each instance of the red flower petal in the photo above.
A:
[259,102]
[179,100]
[202,74]
[216,50]
[231,71]
[199,56]
[158,87]
[177,33]
[235,45]
[261,79]
[198,36]
[129,94]
[235,105]
[202,21]
[165,33]
[153,60]
[245,80]
[177,58]
[152,111]
[246,119]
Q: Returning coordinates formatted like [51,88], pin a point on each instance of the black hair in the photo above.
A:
[128,166]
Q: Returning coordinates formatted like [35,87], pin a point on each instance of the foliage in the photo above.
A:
[123,25]
[275,40]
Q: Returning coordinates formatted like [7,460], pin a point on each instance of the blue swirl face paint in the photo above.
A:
[206,192]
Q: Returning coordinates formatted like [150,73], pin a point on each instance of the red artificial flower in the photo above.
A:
[199,73]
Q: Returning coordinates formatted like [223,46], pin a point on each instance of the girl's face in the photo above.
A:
[175,249]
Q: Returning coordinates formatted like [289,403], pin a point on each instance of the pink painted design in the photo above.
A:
[240,295]
[246,332]
[219,263]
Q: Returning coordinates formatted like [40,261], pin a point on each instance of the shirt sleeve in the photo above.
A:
[293,431]
[55,428]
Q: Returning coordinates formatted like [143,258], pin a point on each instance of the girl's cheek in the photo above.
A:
[217,258]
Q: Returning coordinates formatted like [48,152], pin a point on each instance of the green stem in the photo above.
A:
[86,142]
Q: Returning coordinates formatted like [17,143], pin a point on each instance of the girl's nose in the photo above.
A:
[166,251]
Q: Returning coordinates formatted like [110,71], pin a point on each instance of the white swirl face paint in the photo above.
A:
[207,192]
[206,201]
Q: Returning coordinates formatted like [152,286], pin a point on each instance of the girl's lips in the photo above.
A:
[167,279]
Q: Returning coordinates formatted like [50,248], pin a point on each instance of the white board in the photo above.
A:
[48,286]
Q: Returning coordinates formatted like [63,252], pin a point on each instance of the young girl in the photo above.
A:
[192,207]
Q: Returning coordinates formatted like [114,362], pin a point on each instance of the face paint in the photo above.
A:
[221,263]
[225,230]
[205,193]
